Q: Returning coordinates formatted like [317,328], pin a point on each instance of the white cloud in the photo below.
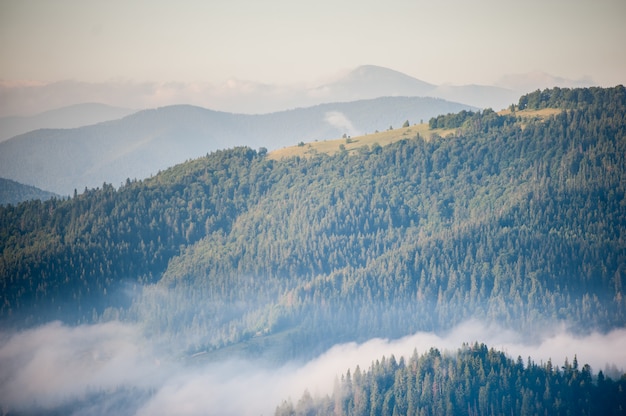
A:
[55,364]
[341,122]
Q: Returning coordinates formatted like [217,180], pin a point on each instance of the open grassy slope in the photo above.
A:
[383,138]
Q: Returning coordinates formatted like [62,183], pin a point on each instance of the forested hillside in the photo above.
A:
[474,381]
[513,219]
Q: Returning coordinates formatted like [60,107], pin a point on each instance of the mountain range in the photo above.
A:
[248,97]
[371,81]
[44,148]
[62,118]
[141,144]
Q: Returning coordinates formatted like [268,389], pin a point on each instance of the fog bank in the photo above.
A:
[88,368]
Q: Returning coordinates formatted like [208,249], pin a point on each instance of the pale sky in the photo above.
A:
[291,41]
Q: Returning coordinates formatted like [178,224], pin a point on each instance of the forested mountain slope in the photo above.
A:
[511,219]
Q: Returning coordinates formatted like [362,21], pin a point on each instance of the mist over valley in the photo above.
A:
[113,368]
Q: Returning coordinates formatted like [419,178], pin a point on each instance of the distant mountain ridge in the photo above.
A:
[12,192]
[151,140]
[249,97]
[73,116]
[369,81]
[535,80]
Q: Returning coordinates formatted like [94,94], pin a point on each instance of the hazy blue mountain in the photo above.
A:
[370,81]
[145,142]
[12,192]
[63,118]
[481,96]
[249,97]
[532,81]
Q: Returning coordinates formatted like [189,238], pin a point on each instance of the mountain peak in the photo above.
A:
[371,81]
[381,74]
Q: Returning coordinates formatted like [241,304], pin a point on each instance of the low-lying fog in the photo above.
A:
[112,368]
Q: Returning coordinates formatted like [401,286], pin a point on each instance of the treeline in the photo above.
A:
[481,121]
[450,120]
[609,99]
[474,381]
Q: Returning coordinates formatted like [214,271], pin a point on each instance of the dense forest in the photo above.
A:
[514,219]
[474,381]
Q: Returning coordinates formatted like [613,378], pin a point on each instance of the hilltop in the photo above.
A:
[353,144]
[393,135]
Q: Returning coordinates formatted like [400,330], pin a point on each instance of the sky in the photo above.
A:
[293,41]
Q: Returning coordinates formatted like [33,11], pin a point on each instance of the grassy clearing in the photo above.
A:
[353,144]
[384,138]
